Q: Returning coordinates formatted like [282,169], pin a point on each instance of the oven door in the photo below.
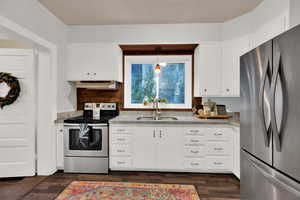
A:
[88,140]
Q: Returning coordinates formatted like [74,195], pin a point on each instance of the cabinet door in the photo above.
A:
[99,61]
[236,168]
[144,145]
[109,62]
[59,146]
[169,151]
[208,70]
[232,50]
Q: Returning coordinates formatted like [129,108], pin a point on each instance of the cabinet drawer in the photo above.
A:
[195,131]
[120,130]
[219,134]
[120,139]
[119,162]
[194,164]
[219,163]
[194,151]
[193,141]
[219,148]
[120,150]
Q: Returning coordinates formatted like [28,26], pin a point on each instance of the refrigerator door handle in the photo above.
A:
[261,105]
[275,177]
[274,124]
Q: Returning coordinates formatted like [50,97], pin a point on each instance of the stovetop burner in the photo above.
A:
[82,120]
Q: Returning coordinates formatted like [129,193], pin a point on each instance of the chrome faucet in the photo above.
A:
[156,112]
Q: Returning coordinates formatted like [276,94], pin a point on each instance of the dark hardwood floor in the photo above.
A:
[209,186]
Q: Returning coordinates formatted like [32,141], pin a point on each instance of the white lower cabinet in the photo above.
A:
[144,147]
[60,146]
[237,146]
[168,155]
[203,148]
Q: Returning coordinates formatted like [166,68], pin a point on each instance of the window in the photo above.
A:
[172,85]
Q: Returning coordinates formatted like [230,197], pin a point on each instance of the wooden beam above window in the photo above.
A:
[159,49]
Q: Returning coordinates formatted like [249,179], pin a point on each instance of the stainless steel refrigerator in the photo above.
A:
[270,120]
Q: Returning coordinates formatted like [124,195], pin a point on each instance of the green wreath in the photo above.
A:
[14,91]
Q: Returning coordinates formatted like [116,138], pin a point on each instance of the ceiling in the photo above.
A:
[98,12]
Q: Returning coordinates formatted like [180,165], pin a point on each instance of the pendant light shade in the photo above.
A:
[157,68]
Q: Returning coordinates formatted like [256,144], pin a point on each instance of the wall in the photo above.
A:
[294,13]
[232,103]
[151,33]
[32,15]
[250,22]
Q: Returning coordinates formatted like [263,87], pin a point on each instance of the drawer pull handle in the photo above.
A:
[218,163]
[194,164]
[120,129]
[120,151]
[218,149]
[194,131]
[218,134]
[121,162]
[194,151]
[121,139]
[194,140]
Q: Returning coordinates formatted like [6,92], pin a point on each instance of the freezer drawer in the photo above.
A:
[261,182]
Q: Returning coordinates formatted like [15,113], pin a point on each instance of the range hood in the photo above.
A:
[97,85]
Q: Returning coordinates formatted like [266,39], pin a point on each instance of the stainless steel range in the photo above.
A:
[86,142]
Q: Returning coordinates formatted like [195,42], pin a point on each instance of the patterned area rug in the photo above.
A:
[91,190]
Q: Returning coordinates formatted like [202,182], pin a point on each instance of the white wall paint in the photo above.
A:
[250,22]
[151,33]
[33,16]
[232,103]
[294,13]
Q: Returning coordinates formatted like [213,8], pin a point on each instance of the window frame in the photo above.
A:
[150,59]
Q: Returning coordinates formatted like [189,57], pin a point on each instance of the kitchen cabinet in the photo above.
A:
[236,169]
[168,155]
[94,62]
[217,68]
[207,70]
[157,148]
[59,145]
[120,147]
[231,52]
[174,148]
[144,142]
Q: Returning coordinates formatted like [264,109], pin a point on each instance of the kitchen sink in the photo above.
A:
[158,119]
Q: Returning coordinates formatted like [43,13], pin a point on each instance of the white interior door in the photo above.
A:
[17,121]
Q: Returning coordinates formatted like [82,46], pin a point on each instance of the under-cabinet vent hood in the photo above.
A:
[97,85]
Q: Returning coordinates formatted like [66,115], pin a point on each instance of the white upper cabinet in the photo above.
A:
[217,66]
[97,61]
[207,74]
[231,52]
